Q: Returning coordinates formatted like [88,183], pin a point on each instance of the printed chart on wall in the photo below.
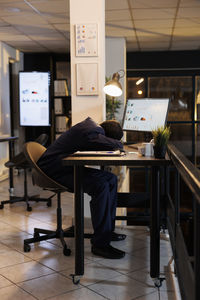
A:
[34,98]
[87,78]
[145,114]
[86,40]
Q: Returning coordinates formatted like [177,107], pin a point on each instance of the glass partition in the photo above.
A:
[179,90]
[136,87]
[197,145]
[184,110]
[181,137]
[197,98]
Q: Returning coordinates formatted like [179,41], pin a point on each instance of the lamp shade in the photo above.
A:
[113,87]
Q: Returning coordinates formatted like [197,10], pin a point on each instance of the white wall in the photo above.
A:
[6,53]
[88,11]
[115,61]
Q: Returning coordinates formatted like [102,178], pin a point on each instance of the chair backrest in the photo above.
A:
[33,151]
[19,161]
[42,139]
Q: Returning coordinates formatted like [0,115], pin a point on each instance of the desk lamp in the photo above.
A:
[113,87]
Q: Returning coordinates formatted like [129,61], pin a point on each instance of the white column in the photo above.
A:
[88,12]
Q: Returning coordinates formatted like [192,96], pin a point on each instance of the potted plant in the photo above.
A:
[161,137]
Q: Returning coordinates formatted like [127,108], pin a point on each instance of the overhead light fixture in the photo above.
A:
[113,87]
[139,81]
[139,92]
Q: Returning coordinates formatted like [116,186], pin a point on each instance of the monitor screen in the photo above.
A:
[34,98]
[145,114]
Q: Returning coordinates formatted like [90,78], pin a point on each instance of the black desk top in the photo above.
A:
[130,159]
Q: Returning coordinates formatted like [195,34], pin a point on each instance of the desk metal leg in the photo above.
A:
[79,225]
[11,154]
[155,227]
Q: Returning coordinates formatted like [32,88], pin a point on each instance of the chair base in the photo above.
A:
[15,199]
[50,234]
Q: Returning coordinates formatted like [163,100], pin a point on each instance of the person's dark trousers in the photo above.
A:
[102,187]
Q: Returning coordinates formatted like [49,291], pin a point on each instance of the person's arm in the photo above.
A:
[102,142]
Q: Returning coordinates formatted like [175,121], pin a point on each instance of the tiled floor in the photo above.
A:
[44,273]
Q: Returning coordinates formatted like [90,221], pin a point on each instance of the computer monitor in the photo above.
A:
[34,99]
[145,114]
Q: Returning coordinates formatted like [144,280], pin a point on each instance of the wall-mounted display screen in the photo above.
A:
[34,98]
[145,114]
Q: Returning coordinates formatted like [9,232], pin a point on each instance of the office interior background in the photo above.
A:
[162,46]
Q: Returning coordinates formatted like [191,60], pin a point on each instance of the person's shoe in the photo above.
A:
[108,252]
[115,237]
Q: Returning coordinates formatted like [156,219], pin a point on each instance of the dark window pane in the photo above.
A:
[179,90]
[197,96]
[181,137]
[136,87]
[197,145]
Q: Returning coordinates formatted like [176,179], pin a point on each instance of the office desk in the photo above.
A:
[10,140]
[129,160]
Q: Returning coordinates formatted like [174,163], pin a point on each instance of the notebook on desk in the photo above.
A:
[98,153]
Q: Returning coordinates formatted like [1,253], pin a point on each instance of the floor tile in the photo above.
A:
[48,286]
[14,292]
[126,264]
[94,272]
[4,282]
[25,271]
[12,257]
[160,296]
[121,288]
[59,262]
[80,294]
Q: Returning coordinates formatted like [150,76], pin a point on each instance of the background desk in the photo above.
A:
[10,140]
[129,160]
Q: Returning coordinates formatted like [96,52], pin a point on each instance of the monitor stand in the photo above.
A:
[147,137]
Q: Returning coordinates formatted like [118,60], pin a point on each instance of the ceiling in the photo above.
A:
[147,25]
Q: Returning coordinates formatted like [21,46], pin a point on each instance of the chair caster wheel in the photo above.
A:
[49,203]
[66,251]
[158,282]
[1,206]
[76,278]
[27,248]
[29,208]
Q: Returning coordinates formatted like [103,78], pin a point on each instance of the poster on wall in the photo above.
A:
[87,79]
[86,40]
[34,98]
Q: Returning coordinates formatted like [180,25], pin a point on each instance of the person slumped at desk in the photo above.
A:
[99,184]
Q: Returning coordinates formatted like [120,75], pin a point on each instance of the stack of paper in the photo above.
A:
[99,153]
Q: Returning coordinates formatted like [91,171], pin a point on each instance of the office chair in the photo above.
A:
[20,162]
[33,151]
